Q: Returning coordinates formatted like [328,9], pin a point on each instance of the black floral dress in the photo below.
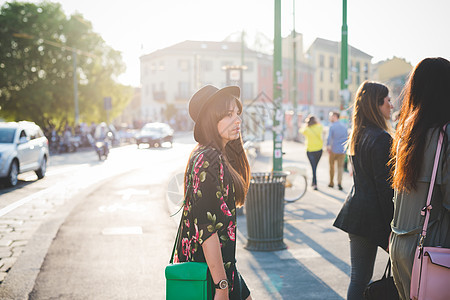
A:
[210,208]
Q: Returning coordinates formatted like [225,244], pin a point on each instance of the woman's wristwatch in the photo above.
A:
[223,284]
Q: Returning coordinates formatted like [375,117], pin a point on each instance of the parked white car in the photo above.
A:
[23,148]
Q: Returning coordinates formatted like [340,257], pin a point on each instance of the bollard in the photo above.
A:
[264,210]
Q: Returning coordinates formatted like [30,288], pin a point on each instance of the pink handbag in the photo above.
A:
[430,279]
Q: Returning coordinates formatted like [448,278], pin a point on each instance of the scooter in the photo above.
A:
[102,149]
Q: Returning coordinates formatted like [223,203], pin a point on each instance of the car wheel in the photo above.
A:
[42,169]
[11,180]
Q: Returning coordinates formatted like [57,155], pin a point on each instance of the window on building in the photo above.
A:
[366,68]
[331,76]
[162,66]
[358,67]
[331,62]
[331,97]
[153,67]
[248,90]
[300,95]
[206,65]
[321,76]
[358,80]
[321,95]
[183,89]
[183,65]
[321,61]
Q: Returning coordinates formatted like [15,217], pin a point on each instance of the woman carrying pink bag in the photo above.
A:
[425,112]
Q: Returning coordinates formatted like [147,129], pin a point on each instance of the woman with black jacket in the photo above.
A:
[368,209]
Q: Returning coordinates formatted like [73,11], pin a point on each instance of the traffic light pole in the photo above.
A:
[277,84]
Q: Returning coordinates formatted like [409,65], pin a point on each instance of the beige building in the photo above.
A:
[393,73]
[385,70]
[324,56]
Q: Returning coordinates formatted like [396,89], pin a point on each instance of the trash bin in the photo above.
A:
[264,209]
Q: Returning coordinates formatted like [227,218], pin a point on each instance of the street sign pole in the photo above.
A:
[277,84]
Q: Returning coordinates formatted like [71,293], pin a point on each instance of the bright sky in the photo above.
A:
[411,29]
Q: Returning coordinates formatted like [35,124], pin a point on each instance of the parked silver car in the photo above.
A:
[23,148]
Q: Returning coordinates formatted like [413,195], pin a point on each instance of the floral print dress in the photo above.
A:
[210,208]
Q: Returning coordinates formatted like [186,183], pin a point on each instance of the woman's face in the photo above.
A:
[230,126]
[386,108]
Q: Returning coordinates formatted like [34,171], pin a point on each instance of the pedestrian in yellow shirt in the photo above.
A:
[312,130]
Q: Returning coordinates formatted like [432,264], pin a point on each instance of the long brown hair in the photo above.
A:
[366,111]
[233,153]
[425,106]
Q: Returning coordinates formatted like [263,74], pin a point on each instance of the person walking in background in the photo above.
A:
[312,130]
[424,112]
[337,137]
[220,175]
[367,212]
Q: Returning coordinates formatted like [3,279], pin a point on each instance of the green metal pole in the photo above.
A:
[344,57]
[277,84]
[242,66]
[294,75]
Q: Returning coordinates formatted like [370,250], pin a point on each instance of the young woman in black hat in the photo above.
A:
[216,180]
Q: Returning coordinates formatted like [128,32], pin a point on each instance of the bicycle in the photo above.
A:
[296,183]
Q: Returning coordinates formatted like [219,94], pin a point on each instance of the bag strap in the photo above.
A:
[184,203]
[426,210]
[387,271]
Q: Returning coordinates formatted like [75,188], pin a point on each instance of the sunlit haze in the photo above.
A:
[410,29]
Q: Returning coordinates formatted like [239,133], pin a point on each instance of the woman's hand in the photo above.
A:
[221,294]
[213,256]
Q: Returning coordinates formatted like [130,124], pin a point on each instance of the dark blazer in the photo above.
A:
[369,208]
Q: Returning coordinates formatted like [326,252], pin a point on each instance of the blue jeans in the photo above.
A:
[314,158]
[362,257]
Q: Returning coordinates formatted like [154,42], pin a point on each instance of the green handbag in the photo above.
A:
[188,280]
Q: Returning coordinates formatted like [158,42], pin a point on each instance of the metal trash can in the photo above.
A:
[264,209]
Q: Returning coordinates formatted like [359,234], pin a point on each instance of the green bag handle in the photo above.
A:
[184,202]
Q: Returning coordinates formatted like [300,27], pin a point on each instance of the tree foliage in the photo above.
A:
[38,46]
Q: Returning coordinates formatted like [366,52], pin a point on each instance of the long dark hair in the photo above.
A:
[366,111]
[233,153]
[426,99]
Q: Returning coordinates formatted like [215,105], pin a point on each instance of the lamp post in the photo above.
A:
[345,95]
[277,84]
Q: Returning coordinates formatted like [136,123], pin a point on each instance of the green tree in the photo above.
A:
[37,46]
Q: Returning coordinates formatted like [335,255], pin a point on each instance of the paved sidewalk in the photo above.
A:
[316,264]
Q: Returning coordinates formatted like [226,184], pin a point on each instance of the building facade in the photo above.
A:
[171,75]
[324,57]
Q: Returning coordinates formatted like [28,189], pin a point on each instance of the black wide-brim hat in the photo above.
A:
[205,95]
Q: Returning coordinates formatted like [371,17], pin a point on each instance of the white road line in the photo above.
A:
[23,201]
